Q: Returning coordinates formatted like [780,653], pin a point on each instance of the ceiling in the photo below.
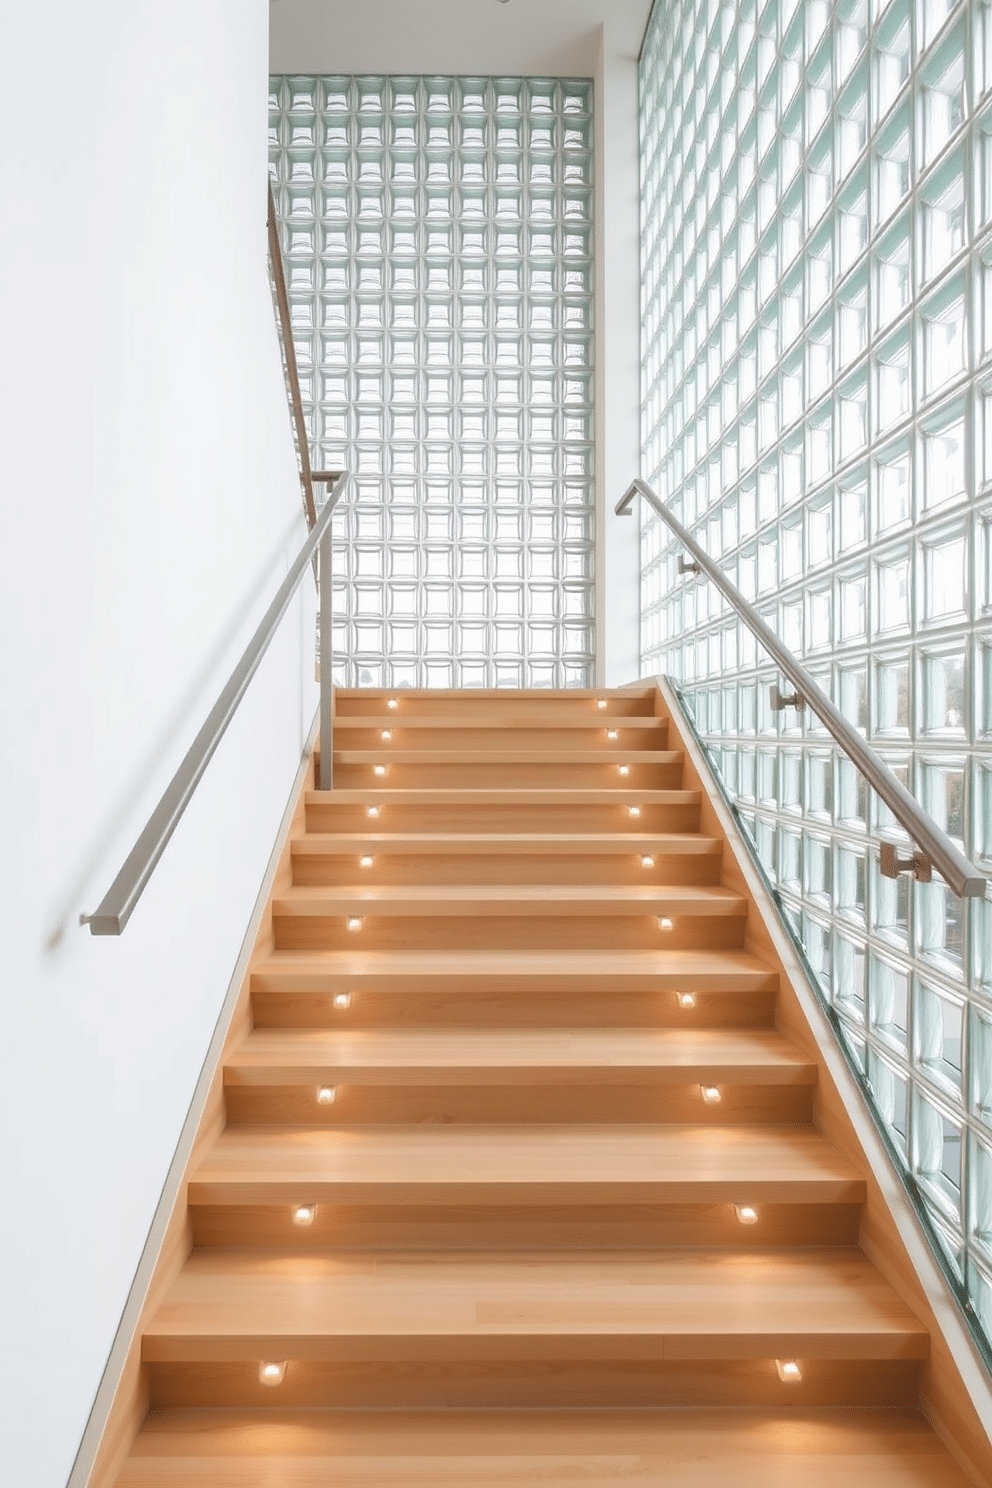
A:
[536,37]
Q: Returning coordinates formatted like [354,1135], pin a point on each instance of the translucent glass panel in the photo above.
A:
[438,240]
[817,408]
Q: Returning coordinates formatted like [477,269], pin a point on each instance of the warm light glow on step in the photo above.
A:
[342,999]
[304,1214]
[611,734]
[788,1371]
[378,769]
[623,769]
[633,810]
[272,1374]
[372,811]
[367,862]
[647,862]
[392,703]
[601,703]
[326,1095]
[664,923]
[387,734]
[687,999]
[746,1214]
[711,1094]
[354,922]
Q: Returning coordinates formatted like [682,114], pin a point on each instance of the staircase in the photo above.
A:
[519,1181]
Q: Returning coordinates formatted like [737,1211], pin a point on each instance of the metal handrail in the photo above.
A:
[936,848]
[307,476]
[120,899]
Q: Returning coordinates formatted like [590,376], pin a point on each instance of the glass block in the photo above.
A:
[937,1153]
[892,591]
[942,205]
[890,907]
[848,977]
[944,468]
[888,1000]
[890,1086]
[891,696]
[942,693]
[938,1029]
[944,559]
[941,792]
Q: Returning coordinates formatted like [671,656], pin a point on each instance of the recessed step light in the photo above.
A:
[372,811]
[611,734]
[392,703]
[601,703]
[387,734]
[366,862]
[326,1095]
[746,1214]
[633,810]
[623,769]
[378,769]
[789,1371]
[342,999]
[647,862]
[304,1214]
[686,999]
[272,1374]
[664,923]
[354,922]
[711,1094]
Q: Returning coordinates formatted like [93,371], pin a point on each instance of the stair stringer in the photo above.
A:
[956,1387]
[122,1399]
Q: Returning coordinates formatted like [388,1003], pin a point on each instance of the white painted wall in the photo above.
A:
[558,38]
[149,506]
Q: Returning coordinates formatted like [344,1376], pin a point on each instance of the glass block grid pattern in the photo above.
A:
[817,408]
[438,241]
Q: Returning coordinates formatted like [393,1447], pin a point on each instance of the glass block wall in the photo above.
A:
[817,408]
[438,243]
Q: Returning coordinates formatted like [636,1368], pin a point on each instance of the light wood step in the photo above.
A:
[763,1448]
[505,769]
[512,703]
[561,809]
[667,988]
[516,1057]
[523,900]
[539,733]
[436,857]
[519,1164]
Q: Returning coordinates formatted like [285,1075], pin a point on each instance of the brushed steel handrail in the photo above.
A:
[118,903]
[936,850]
[307,475]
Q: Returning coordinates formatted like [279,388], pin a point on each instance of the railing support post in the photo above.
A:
[325,773]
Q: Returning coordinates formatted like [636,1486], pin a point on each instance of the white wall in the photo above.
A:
[149,505]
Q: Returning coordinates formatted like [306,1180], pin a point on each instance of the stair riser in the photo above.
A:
[481,775]
[398,816]
[504,708]
[585,736]
[377,1004]
[505,868]
[494,932]
[459,1227]
[279,1105]
[515,1381]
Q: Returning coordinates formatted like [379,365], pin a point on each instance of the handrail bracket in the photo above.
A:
[780,700]
[891,864]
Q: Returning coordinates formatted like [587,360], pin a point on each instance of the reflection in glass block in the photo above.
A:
[849,976]
[942,692]
[890,907]
[940,926]
[942,793]
[892,592]
[891,1090]
[888,999]
[936,1153]
[944,577]
[849,885]
[937,1035]
[980,1064]
[892,696]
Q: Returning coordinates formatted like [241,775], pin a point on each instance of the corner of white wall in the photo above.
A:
[150,507]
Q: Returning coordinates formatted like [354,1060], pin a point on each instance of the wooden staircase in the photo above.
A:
[519,1181]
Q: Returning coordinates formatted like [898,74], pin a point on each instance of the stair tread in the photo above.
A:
[502,795]
[814,1304]
[740,1164]
[694,968]
[705,1055]
[517,899]
[539,1449]
[659,844]
[611,754]
[600,719]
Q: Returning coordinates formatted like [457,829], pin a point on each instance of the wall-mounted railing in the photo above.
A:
[935,850]
[118,903]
